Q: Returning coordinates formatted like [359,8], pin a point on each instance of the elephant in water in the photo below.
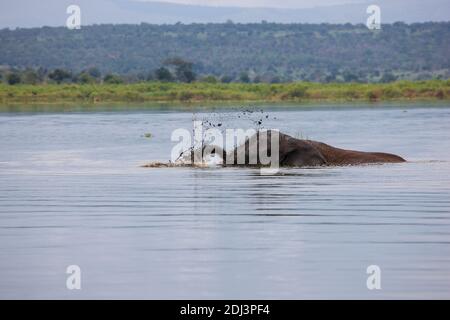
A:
[293,153]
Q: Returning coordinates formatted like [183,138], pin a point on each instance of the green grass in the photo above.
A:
[202,92]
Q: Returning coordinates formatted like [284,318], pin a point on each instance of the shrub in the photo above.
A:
[112,79]
[209,79]
[13,78]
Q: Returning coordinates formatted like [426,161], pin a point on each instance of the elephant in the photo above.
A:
[294,152]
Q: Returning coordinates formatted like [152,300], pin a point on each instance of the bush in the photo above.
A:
[13,78]
[163,74]
[60,75]
[244,77]
[112,79]
[209,79]
[85,78]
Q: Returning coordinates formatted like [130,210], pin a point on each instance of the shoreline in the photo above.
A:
[201,92]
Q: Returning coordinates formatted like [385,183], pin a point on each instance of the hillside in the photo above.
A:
[282,52]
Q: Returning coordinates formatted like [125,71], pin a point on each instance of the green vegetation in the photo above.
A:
[174,70]
[259,52]
[154,91]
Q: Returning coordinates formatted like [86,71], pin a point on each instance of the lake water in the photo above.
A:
[73,192]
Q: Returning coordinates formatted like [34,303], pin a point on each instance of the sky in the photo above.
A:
[38,13]
[262,3]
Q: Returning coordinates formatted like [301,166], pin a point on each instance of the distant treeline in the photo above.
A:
[173,70]
[177,70]
[228,52]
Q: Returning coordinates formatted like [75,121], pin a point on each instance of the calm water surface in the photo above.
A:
[72,192]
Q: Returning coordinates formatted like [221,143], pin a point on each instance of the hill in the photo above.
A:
[264,51]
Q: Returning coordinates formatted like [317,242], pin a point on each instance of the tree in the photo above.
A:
[183,69]
[244,77]
[85,78]
[163,74]
[13,78]
[94,72]
[185,74]
[59,75]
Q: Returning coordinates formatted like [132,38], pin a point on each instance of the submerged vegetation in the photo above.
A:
[205,91]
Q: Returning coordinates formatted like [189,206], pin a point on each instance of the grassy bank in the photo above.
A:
[200,91]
